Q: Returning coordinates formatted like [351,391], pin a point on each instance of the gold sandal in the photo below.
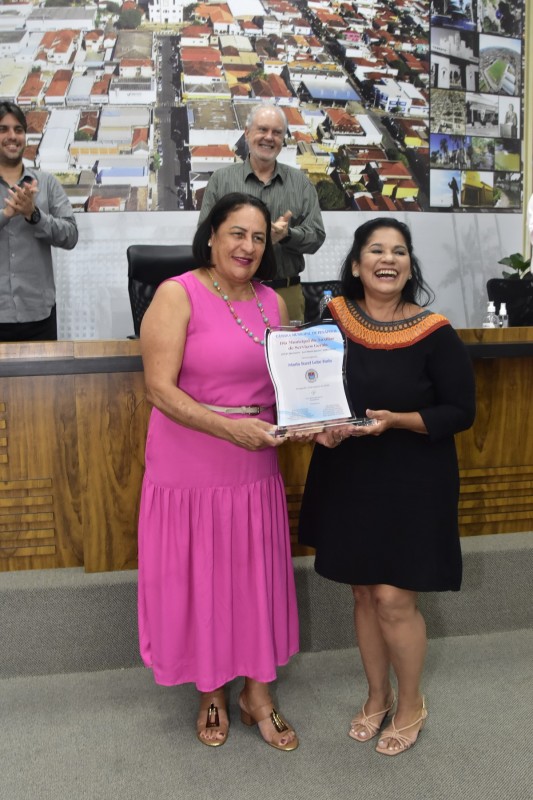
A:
[370,728]
[395,734]
[212,720]
[267,711]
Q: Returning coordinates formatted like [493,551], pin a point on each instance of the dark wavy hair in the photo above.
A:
[415,290]
[10,108]
[218,214]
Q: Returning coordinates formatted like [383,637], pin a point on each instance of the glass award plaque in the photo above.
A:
[307,367]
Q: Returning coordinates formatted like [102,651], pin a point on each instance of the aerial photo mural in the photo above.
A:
[390,107]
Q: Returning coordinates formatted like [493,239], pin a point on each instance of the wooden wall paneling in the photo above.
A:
[92,348]
[496,454]
[40,525]
[31,351]
[294,458]
[112,419]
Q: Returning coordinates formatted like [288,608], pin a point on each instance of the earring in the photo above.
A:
[355,273]
[209,243]
[409,278]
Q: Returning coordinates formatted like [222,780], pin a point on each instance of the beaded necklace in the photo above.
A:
[234,314]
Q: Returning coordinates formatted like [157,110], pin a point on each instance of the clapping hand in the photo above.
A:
[280,228]
[20,199]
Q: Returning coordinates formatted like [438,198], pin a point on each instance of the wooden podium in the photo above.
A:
[496,454]
[73,423]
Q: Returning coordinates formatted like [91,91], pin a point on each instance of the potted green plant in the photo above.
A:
[521,267]
[515,289]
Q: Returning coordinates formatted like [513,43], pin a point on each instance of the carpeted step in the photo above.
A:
[65,620]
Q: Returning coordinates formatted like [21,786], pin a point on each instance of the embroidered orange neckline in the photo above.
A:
[383,335]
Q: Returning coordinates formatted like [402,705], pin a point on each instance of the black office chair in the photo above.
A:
[312,293]
[517,296]
[148,266]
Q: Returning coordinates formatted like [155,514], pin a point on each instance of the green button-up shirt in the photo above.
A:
[289,189]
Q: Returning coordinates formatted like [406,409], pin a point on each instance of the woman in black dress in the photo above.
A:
[393,486]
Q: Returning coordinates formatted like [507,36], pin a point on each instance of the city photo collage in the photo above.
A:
[476,116]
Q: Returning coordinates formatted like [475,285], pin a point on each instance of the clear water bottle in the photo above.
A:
[491,318]
[503,316]
[324,300]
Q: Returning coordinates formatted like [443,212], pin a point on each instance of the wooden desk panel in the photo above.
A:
[72,431]
[112,420]
[496,454]
[40,521]
[294,462]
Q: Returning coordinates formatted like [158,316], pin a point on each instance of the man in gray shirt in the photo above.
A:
[35,214]
[291,198]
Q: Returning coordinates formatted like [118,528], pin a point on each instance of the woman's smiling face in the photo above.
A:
[384,264]
[238,244]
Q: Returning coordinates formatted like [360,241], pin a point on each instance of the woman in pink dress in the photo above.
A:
[216,586]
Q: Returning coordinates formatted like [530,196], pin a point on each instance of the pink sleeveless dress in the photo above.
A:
[216,586]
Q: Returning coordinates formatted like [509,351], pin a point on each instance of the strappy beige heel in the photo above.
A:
[369,723]
[394,734]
